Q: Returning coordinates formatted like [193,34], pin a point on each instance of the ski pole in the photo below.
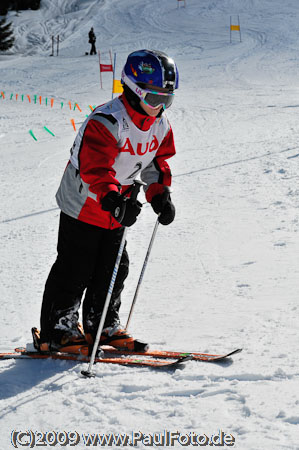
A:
[142,272]
[88,373]
[164,200]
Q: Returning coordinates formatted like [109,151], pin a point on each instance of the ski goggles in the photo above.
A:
[152,98]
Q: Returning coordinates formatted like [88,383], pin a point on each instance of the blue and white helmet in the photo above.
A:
[152,76]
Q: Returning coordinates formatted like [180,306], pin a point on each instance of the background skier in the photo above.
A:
[92,41]
[127,136]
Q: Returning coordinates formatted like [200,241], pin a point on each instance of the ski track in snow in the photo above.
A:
[224,275]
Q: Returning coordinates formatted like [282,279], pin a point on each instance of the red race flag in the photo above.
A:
[106,68]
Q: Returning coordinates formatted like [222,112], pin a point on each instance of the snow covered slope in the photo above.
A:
[225,274]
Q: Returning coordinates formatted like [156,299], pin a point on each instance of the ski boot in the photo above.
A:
[117,337]
[70,342]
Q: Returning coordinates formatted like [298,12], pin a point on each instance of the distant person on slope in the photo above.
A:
[127,136]
[92,41]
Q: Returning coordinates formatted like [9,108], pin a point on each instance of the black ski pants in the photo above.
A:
[93,49]
[85,261]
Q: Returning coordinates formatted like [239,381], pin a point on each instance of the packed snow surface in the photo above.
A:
[224,275]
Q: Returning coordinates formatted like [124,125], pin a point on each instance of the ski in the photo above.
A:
[22,353]
[108,350]
[195,356]
[150,358]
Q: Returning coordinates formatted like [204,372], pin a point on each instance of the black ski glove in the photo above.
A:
[164,207]
[123,209]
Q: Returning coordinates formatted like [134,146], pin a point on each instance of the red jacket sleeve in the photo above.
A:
[158,173]
[97,155]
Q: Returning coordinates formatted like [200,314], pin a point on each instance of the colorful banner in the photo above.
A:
[36,98]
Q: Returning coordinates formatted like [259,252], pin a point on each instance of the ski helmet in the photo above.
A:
[152,76]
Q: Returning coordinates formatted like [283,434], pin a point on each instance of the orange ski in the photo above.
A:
[22,353]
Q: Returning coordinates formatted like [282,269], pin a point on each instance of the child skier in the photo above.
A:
[127,136]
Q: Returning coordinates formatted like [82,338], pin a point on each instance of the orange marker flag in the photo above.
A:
[76,105]
[91,107]
[2,94]
[28,96]
[52,102]
[40,99]
[70,105]
[17,95]
[73,123]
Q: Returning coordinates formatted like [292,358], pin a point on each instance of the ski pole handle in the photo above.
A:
[166,195]
[136,188]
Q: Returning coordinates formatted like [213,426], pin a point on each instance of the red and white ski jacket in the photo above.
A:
[113,146]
